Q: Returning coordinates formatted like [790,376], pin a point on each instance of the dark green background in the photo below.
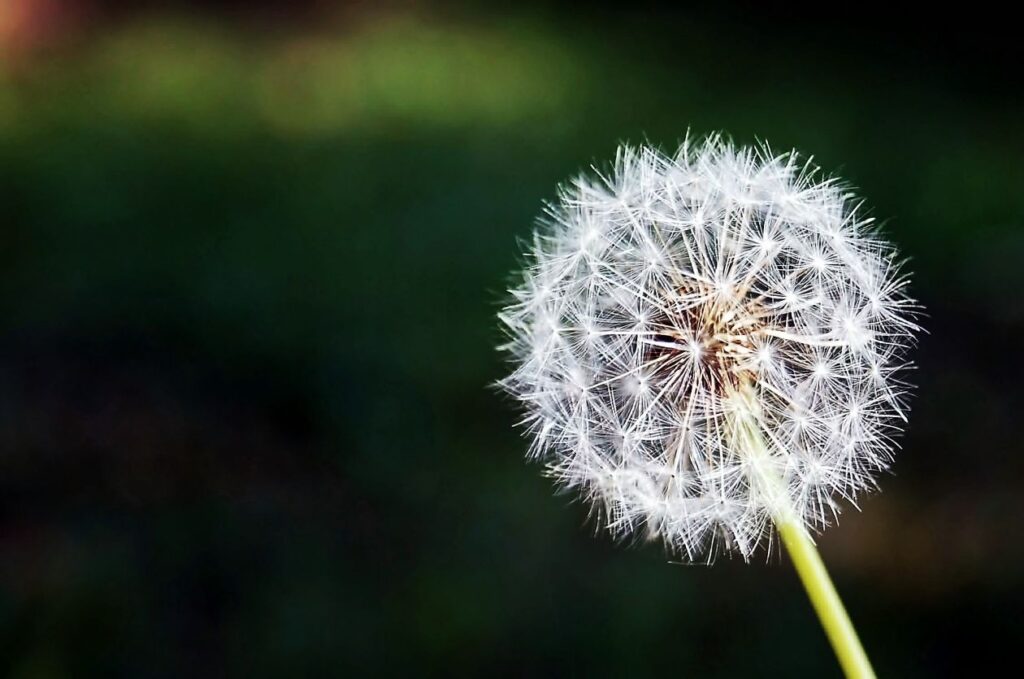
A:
[249,266]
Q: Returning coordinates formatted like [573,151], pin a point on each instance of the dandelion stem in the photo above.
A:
[768,482]
[825,600]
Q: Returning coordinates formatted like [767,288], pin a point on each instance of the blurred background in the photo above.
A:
[250,257]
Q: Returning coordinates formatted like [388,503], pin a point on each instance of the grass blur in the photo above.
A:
[247,286]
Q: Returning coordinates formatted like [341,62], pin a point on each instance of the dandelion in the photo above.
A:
[709,347]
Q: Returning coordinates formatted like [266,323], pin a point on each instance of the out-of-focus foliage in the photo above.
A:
[247,284]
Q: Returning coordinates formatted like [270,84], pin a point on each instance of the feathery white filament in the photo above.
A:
[666,306]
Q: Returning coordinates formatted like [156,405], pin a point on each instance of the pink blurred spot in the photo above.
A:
[27,26]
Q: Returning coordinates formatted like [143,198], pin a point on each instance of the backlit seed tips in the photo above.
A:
[710,341]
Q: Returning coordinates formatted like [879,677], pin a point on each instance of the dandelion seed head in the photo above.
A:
[657,292]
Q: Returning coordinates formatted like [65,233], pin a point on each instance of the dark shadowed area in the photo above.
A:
[250,260]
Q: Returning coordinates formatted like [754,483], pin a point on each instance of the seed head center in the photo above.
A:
[715,333]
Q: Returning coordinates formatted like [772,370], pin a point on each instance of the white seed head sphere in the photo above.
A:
[683,304]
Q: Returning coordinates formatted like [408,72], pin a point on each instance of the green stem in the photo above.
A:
[767,481]
[825,600]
